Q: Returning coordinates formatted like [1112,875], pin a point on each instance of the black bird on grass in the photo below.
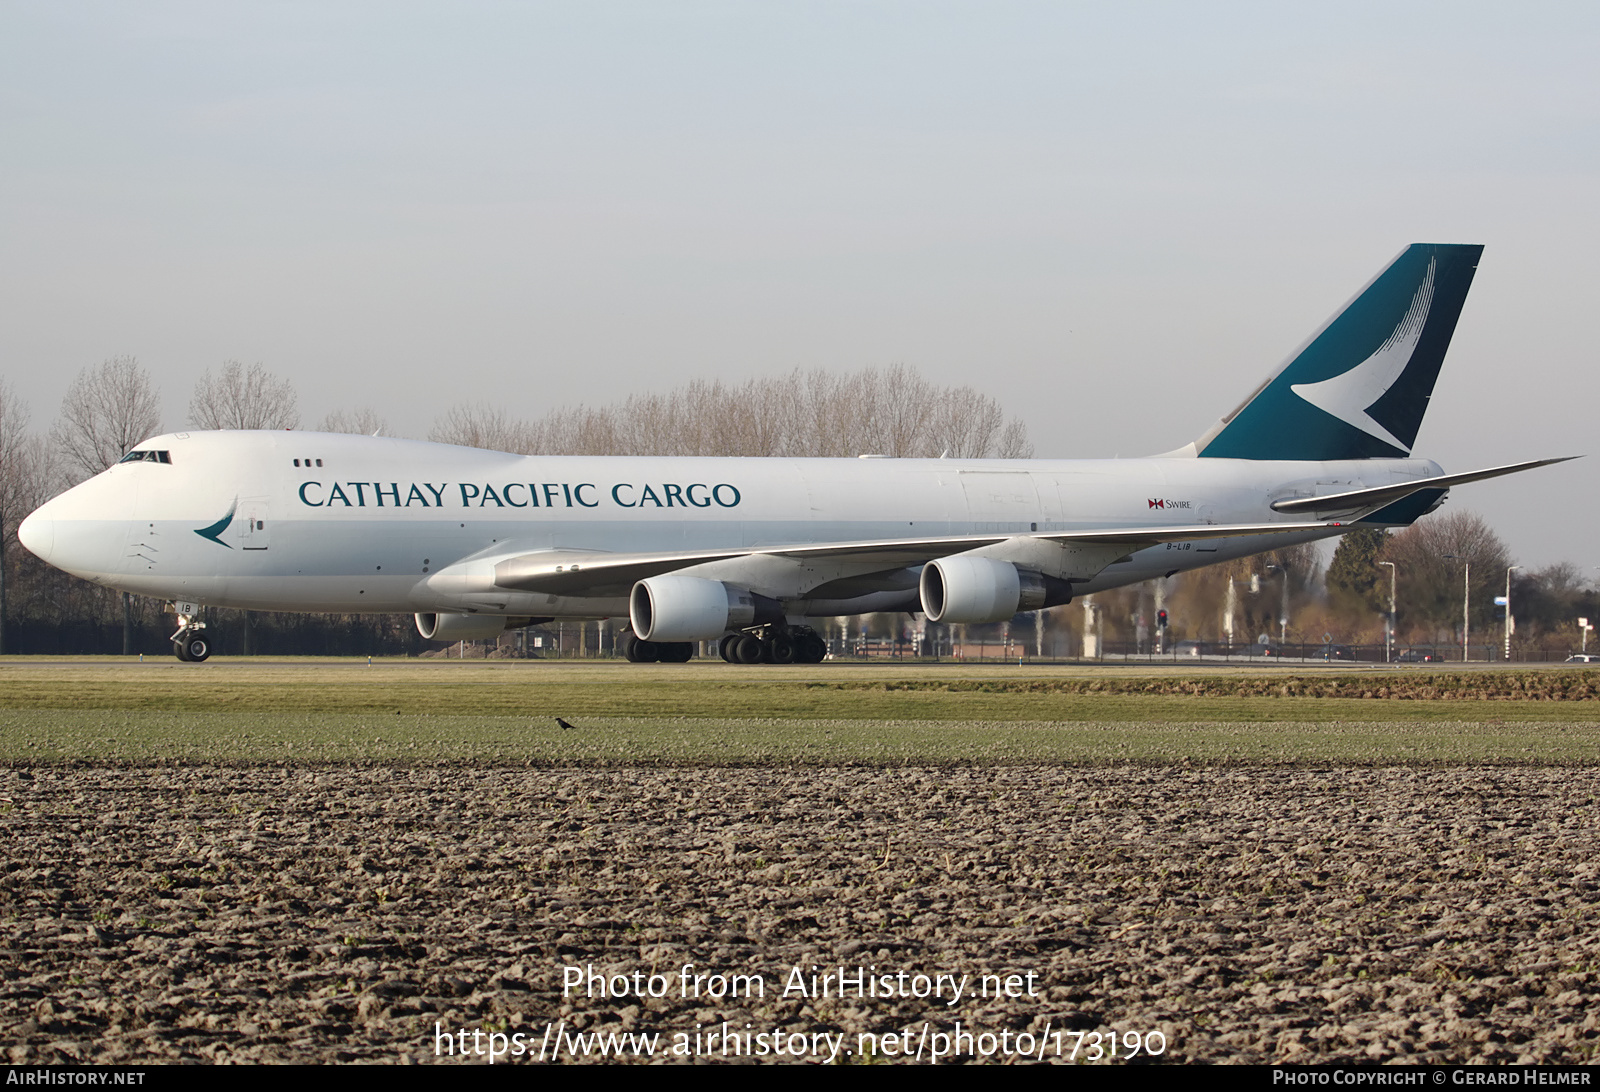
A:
[565,725]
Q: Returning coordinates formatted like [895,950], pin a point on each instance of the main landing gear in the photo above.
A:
[190,644]
[771,645]
[762,645]
[636,651]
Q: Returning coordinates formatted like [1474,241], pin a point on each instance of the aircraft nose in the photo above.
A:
[38,534]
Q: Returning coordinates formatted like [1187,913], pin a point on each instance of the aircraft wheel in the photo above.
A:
[646,652]
[198,649]
[781,649]
[748,650]
[180,649]
[676,652]
[813,649]
[726,646]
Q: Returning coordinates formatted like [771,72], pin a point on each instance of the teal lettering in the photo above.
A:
[488,495]
[672,491]
[616,496]
[337,494]
[415,492]
[307,500]
[577,491]
[465,496]
[394,491]
[716,495]
[549,501]
[438,494]
[649,495]
[361,493]
[697,503]
[566,491]
[507,491]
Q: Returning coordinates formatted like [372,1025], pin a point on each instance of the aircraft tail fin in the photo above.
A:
[1358,387]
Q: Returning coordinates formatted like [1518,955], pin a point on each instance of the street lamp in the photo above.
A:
[1283,611]
[1583,624]
[1509,570]
[1388,631]
[1466,591]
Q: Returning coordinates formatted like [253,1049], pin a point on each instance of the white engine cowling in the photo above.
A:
[972,590]
[688,608]
[466,627]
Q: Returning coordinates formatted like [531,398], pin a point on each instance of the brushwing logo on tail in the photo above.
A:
[1351,395]
[214,532]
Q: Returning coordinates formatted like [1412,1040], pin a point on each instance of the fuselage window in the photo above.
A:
[319,462]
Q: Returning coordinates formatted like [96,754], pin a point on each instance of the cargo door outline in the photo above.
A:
[1000,501]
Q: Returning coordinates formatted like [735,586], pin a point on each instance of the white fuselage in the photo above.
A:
[324,522]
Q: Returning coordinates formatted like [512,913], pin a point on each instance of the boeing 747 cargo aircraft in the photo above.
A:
[748,550]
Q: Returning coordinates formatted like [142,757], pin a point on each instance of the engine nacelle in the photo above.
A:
[469,627]
[972,590]
[688,608]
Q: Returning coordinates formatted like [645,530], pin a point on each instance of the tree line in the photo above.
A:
[1451,565]
[893,412]
[108,409]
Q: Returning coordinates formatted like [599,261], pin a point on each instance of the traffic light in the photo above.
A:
[1161,619]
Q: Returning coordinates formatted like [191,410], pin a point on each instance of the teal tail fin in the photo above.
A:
[1359,387]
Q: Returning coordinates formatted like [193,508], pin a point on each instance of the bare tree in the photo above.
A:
[22,468]
[482,425]
[1431,584]
[243,398]
[106,412]
[365,421]
[803,415]
[1288,576]
[1013,442]
[13,447]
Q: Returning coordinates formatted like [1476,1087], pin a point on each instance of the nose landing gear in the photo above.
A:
[190,644]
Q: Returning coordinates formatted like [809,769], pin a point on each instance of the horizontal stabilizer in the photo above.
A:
[1357,500]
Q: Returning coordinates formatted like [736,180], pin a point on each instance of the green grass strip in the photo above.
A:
[40,737]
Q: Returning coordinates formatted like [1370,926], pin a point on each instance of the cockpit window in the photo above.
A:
[147,457]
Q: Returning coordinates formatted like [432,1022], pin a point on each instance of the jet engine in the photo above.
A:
[469,627]
[980,589]
[689,608]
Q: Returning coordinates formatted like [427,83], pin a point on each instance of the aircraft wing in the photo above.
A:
[1357,500]
[576,572]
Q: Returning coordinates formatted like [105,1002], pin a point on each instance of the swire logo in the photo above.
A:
[214,532]
[1168,502]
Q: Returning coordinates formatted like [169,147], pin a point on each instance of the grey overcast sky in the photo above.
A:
[1115,218]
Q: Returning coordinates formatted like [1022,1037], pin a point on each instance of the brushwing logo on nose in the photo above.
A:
[1350,395]
[214,532]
